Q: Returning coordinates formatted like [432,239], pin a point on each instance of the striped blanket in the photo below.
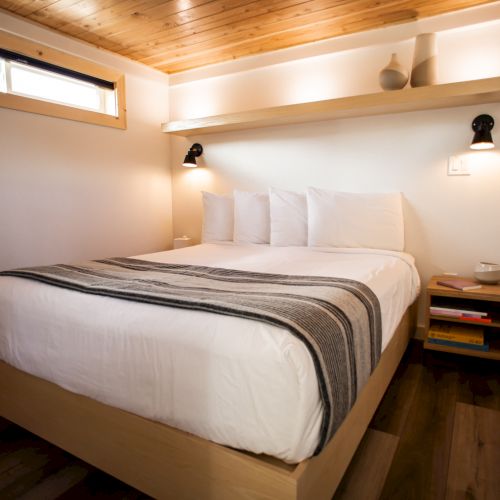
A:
[337,319]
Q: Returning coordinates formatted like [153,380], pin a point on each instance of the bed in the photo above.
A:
[136,390]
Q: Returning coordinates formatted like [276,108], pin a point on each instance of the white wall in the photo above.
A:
[71,191]
[451,222]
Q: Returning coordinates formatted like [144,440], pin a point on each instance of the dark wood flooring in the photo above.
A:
[434,436]
[442,409]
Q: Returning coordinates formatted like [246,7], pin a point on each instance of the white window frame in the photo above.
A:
[16,100]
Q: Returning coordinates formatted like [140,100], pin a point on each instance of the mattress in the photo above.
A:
[231,380]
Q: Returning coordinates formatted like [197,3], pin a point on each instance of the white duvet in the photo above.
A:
[231,380]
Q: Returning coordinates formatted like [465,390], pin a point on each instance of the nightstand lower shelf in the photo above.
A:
[493,353]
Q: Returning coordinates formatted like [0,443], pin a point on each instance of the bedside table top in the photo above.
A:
[486,292]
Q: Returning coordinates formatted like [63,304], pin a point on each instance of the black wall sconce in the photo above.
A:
[482,126]
[193,153]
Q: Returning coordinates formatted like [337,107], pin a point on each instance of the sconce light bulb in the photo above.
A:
[478,146]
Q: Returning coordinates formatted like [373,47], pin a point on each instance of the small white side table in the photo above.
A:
[182,242]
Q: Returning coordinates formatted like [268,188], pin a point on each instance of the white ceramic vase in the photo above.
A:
[424,70]
[394,76]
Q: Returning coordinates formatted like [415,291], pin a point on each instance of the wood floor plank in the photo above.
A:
[56,484]
[420,464]
[30,480]
[17,464]
[371,462]
[474,470]
[479,383]
[99,486]
[394,409]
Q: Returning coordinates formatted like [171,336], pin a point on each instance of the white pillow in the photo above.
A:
[355,219]
[251,217]
[218,217]
[288,218]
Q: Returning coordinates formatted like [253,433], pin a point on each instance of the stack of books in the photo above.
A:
[463,336]
[462,314]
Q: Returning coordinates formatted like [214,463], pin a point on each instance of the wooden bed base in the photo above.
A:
[167,463]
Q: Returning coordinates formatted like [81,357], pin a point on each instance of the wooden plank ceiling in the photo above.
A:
[177,35]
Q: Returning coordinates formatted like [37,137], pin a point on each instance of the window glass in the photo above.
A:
[110,103]
[24,80]
[3,80]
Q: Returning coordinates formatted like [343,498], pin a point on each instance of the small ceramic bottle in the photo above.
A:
[394,76]
[424,71]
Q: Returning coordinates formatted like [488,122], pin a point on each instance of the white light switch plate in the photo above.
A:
[457,166]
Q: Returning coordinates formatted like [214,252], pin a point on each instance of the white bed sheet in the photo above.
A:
[231,380]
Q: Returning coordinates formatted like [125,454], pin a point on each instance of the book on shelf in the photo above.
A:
[451,311]
[461,317]
[462,285]
[484,321]
[457,333]
[462,345]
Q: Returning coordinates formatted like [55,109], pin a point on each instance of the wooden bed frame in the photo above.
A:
[168,463]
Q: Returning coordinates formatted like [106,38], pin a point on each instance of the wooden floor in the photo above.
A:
[436,435]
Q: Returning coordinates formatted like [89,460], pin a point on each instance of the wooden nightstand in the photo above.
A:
[484,299]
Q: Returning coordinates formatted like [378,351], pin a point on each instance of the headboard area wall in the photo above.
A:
[452,222]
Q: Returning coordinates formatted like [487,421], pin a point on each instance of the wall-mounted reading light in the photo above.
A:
[482,126]
[195,151]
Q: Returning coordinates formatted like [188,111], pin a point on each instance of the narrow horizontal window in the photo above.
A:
[45,87]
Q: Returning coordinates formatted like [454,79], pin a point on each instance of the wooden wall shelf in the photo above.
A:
[397,101]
